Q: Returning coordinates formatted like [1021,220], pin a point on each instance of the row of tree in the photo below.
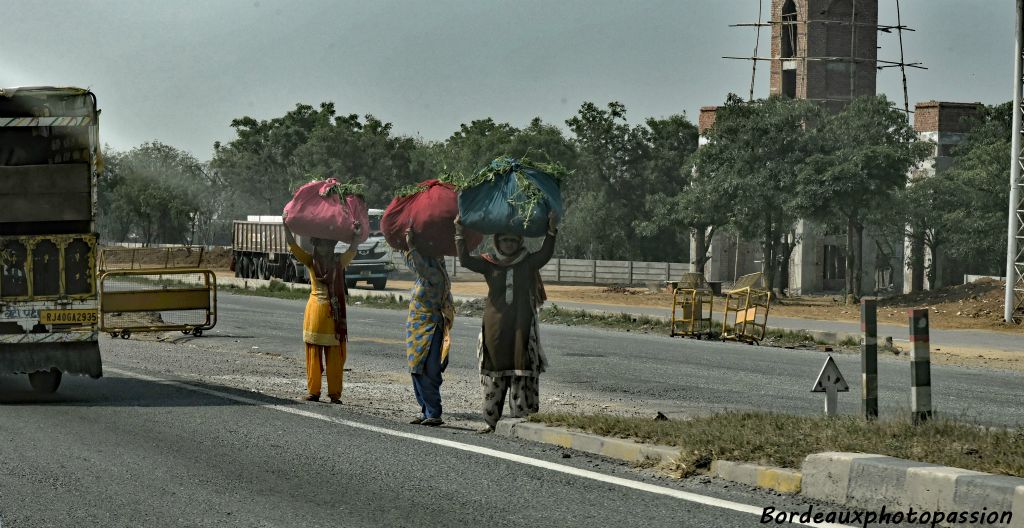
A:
[637,192]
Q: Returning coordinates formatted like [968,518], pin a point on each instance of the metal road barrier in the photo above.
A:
[746,311]
[692,304]
[157,300]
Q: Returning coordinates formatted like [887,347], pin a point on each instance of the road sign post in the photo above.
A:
[869,357]
[831,382]
[920,367]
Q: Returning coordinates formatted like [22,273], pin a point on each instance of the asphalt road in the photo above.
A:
[671,375]
[130,450]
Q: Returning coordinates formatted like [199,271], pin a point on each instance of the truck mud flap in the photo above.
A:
[78,357]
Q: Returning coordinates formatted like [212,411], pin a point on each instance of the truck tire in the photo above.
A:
[379,284]
[261,268]
[290,272]
[45,381]
[244,263]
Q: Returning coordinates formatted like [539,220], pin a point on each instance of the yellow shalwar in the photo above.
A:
[322,344]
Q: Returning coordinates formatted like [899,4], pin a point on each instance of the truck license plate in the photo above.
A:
[365,273]
[68,317]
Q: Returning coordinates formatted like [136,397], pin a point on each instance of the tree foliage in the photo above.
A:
[156,192]
[754,153]
[862,157]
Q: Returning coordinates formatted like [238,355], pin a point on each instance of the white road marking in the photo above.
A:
[560,468]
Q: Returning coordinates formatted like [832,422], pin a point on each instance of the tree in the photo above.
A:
[754,152]
[681,202]
[258,166]
[865,155]
[963,209]
[161,191]
[608,185]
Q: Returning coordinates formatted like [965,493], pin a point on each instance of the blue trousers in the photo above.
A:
[428,384]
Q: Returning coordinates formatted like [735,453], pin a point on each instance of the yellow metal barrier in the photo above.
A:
[746,311]
[692,304]
[157,300]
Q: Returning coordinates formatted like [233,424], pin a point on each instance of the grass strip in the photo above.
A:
[785,440]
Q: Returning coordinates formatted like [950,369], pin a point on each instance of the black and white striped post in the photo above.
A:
[920,367]
[869,357]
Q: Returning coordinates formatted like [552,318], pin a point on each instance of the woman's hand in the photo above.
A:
[458,225]
[552,222]
[357,228]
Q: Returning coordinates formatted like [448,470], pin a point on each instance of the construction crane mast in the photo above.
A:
[1014,301]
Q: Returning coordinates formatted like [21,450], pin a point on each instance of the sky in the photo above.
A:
[178,71]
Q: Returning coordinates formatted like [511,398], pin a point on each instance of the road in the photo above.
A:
[134,450]
[653,372]
[228,444]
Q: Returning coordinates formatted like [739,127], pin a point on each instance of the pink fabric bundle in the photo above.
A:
[319,210]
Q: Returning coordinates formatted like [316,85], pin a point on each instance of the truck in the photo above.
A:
[49,171]
[259,251]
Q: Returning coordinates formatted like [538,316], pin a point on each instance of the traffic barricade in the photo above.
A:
[157,300]
[746,310]
[692,305]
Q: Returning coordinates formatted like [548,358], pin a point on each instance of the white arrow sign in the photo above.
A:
[830,381]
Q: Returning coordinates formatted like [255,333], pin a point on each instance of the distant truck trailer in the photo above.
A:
[260,251]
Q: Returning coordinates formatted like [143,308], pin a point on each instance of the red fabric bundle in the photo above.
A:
[319,210]
[431,214]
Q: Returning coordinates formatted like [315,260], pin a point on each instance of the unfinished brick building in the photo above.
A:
[827,51]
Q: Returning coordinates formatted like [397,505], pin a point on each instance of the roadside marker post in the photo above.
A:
[920,367]
[869,357]
[831,382]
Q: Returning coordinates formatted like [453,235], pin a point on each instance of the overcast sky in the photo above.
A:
[179,71]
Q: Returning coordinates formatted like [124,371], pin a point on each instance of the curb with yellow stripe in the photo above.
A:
[778,479]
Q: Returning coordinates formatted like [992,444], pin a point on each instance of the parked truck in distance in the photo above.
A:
[49,166]
[260,251]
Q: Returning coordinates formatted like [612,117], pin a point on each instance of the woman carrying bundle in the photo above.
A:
[428,330]
[509,350]
[324,328]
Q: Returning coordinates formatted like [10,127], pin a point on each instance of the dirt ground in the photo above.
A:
[114,257]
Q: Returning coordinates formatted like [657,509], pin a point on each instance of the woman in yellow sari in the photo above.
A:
[324,328]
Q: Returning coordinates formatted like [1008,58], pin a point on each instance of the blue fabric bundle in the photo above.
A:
[498,204]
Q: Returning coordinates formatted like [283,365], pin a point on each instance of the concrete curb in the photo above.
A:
[779,479]
[618,448]
[872,481]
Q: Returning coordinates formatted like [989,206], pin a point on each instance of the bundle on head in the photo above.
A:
[330,210]
[429,209]
[511,196]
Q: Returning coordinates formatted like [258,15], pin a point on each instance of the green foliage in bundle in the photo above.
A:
[350,188]
[506,165]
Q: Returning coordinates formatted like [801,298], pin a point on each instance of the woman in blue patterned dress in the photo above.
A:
[428,330]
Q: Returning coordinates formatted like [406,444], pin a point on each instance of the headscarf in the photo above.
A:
[508,261]
[334,280]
